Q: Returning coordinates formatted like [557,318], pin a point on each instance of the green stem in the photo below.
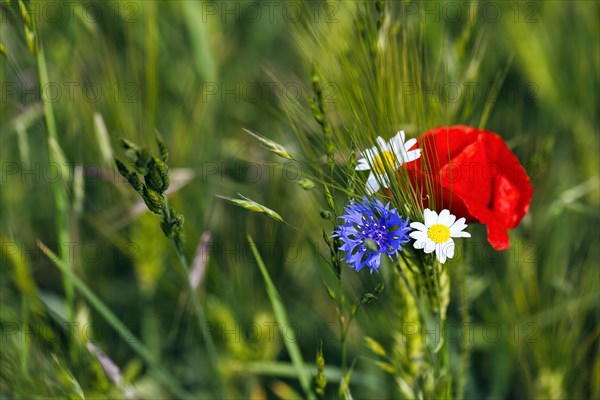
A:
[202,321]
[438,299]
[211,349]
[56,157]
[439,363]
[466,320]
[279,369]
[428,280]
[409,287]
[60,198]
[151,57]
[24,353]
[444,357]
[343,329]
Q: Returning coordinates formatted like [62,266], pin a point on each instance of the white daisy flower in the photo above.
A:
[437,233]
[393,153]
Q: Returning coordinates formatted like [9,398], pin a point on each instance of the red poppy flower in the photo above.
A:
[473,174]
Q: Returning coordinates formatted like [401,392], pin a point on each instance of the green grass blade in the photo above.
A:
[282,320]
[121,329]
[58,188]
[201,52]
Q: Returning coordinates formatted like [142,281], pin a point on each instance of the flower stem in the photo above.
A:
[440,362]
[199,310]
[408,285]
[343,325]
[61,203]
[466,321]
[428,282]
[444,358]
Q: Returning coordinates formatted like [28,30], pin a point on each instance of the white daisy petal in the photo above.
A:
[443,217]
[372,185]
[410,143]
[397,145]
[460,234]
[383,146]
[451,219]
[385,180]
[397,150]
[400,136]
[398,139]
[412,155]
[430,217]
[419,226]
[429,247]
[371,154]
[461,221]
[419,245]
[363,165]
[448,248]
[440,253]
[458,226]
[418,236]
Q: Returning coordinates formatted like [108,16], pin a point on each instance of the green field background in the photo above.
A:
[201,72]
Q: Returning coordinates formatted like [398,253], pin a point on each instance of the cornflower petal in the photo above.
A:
[371,220]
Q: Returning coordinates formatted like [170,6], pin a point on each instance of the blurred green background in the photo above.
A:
[200,72]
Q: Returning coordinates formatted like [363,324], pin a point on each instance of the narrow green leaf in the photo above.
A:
[282,320]
[103,139]
[59,192]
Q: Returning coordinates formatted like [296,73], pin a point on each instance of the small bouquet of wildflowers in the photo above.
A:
[419,243]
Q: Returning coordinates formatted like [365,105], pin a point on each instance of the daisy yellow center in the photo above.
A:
[378,164]
[438,233]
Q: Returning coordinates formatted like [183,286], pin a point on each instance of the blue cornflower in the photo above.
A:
[371,229]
